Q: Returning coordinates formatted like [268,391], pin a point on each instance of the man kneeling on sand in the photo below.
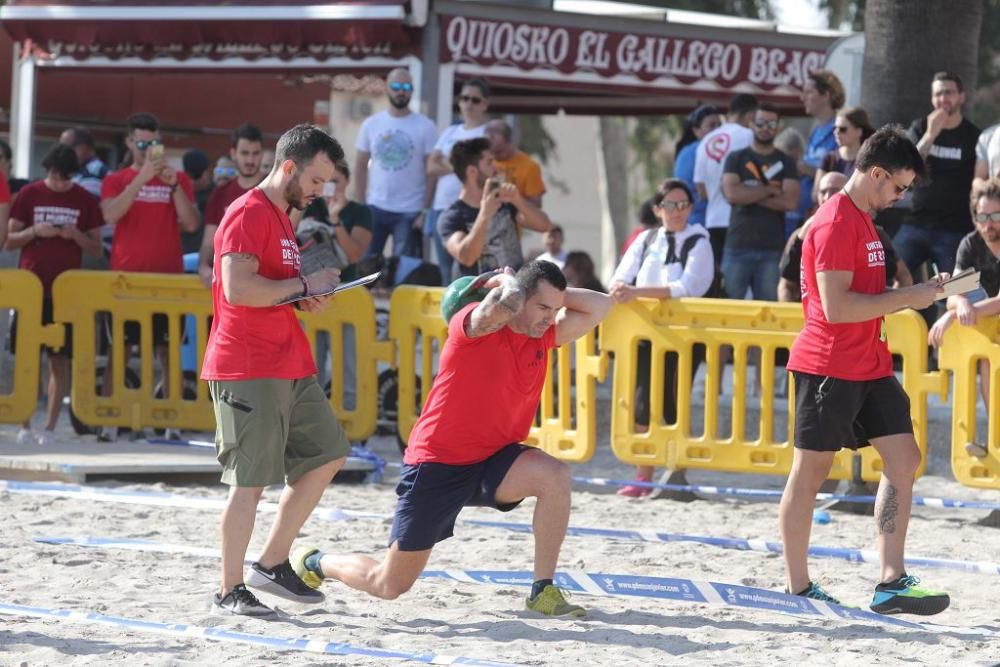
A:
[463,450]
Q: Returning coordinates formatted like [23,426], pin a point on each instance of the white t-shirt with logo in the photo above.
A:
[449,186]
[397,173]
[709,163]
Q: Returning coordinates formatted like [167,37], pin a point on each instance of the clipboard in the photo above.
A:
[360,282]
[964,282]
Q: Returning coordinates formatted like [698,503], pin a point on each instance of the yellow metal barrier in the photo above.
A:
[567,423]
[962,349]
[80,297]
[678,325]
[22,291]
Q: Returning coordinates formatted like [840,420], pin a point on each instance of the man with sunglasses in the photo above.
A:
[149,203]
[761,184]
[979,251]
[390,169]
[846,394]
[473,101]
[947,141]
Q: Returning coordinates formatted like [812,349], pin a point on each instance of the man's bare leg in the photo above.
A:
[236,528]
[900,458]
[809,470]
[387,580]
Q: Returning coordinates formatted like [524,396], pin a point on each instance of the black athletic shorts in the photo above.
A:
[831,413]
[432,494]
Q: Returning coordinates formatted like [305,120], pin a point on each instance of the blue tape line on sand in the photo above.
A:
[946,503]
[605,584]
[187,630]
[158,498]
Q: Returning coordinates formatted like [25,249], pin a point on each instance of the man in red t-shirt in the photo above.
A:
[53,222]
[149,203]
[846,394]
[463,450]
[247,152]
[274,424]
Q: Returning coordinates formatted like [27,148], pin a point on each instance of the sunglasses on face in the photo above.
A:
[396,86]
[674,205]
[840,129]
[983,218]
[143,145]
[225,172]
[900,189]
[471,99]
[766,124]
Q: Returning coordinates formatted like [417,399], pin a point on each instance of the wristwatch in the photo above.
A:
[305,285]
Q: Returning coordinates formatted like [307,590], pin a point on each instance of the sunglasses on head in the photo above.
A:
[674,205]
[983,218]
[471,99]
[143,145]
[397,86]
[766,124]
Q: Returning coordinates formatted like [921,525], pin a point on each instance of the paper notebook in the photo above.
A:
[966,281]
[367,280]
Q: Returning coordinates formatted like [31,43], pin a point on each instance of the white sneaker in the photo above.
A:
[172,434]
[46,439]
[25,437]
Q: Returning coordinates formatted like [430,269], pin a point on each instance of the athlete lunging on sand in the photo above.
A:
[846,394]
[464,451]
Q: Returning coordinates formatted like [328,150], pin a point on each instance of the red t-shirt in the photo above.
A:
[221,198]
[841,238]
[4,190]
[147,238]
[485,395]
[247,343]
[48,257]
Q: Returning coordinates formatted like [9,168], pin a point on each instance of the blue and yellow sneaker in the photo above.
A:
[905,596]
[311,577]
[814,592]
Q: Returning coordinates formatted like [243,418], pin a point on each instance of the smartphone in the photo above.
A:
[156,152]
[329,189]
[492,184]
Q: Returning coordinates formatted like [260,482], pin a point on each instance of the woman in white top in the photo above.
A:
[668,262]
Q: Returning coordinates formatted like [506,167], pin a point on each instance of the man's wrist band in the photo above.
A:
[305,285]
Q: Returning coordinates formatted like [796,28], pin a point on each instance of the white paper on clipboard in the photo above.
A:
[966,281]
[360,282]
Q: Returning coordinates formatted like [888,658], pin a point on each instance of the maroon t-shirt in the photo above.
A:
[48,257]
[221,198]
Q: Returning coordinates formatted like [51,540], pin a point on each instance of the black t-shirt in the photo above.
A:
[791,259]
[973,253]
[751,226]
[834,163]
[502,247]
[943,201]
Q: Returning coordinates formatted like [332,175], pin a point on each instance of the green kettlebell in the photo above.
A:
[462,292]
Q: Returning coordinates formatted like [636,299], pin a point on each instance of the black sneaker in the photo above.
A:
[283,582]
[240,602]
[905,595]
[814,592]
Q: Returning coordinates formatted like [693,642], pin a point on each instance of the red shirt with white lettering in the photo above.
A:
[147,238]
[48,257]
[485,395]
[247,343]
[221,198]
[841,238]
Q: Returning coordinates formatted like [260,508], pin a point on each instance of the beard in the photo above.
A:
[295,196]
[991,235]
[399,102]
[764,141]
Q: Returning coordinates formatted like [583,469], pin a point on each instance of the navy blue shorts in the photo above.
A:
[432,494]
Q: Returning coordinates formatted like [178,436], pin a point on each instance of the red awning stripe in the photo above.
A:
[60,13]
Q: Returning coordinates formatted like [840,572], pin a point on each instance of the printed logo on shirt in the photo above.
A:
[154,194]
[946,152]
[57,216]
[718,147]
[394,150]
[876,254]
[290,254]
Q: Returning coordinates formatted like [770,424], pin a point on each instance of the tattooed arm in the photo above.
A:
[498,308]
[243,286]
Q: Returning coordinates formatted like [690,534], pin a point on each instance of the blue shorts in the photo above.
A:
[432,494]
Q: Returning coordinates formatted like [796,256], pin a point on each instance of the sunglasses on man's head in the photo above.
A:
[983,218]
[143,144]
[397,86]
[471,99]
[766,124]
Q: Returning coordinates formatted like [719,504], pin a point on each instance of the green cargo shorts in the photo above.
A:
[274,431]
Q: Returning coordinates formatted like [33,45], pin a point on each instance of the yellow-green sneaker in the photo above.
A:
[298,561]
[552,602]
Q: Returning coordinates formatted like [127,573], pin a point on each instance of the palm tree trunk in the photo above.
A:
[612,182]
[906,42]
